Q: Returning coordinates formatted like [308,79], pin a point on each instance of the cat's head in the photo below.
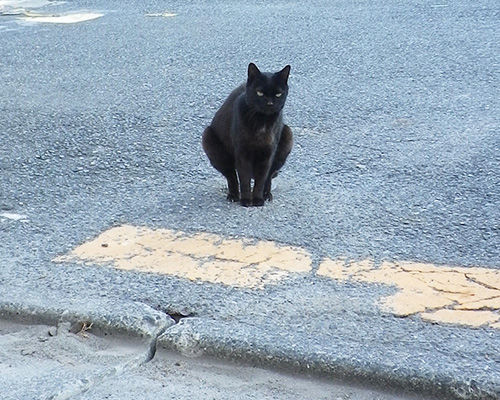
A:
[266,92]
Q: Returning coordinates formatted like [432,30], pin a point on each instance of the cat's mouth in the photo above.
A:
[270,109]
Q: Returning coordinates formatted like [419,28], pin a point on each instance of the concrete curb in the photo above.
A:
[107,319]
[131,318]
[194,337]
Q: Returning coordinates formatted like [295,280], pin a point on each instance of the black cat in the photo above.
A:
[247,138]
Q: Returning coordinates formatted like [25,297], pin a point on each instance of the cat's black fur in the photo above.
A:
[247,138]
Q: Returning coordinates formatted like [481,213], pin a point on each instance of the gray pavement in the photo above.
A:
[396,115]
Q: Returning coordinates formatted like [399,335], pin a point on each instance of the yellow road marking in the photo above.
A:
[466,296]
[199,256]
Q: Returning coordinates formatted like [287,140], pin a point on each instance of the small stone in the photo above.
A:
[6,207]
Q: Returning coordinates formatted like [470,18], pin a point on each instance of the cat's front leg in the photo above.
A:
[245,176]
[267,188]
[282,152]
[260,186]
[258,194]
[232,185]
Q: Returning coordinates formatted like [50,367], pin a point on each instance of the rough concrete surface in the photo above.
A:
[71,362]
[60,362]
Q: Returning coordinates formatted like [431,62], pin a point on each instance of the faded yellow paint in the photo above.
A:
[200,256]
[466,296]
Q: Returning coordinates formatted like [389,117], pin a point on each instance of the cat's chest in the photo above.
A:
[263,131]
[264,135]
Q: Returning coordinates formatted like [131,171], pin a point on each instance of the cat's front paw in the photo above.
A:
[246,202]
[233,197]
[258,202]
[268,196]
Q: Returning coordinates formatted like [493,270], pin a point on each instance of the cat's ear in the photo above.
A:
[283,74]
[253,72]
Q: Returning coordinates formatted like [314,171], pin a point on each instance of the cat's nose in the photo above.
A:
[270,103]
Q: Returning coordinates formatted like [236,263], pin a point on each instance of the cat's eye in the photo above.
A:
[259,93]
[278,94]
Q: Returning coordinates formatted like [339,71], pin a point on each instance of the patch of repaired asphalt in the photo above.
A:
[452,295]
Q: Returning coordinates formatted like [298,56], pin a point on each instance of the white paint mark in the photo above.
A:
[61,18]
[24,3]
[15,217]
[164,14]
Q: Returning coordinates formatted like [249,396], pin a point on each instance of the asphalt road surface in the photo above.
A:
[395,109]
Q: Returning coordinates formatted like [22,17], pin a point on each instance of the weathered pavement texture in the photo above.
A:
[377,261]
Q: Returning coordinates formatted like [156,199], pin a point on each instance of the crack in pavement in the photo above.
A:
[478,282]
[94,380]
